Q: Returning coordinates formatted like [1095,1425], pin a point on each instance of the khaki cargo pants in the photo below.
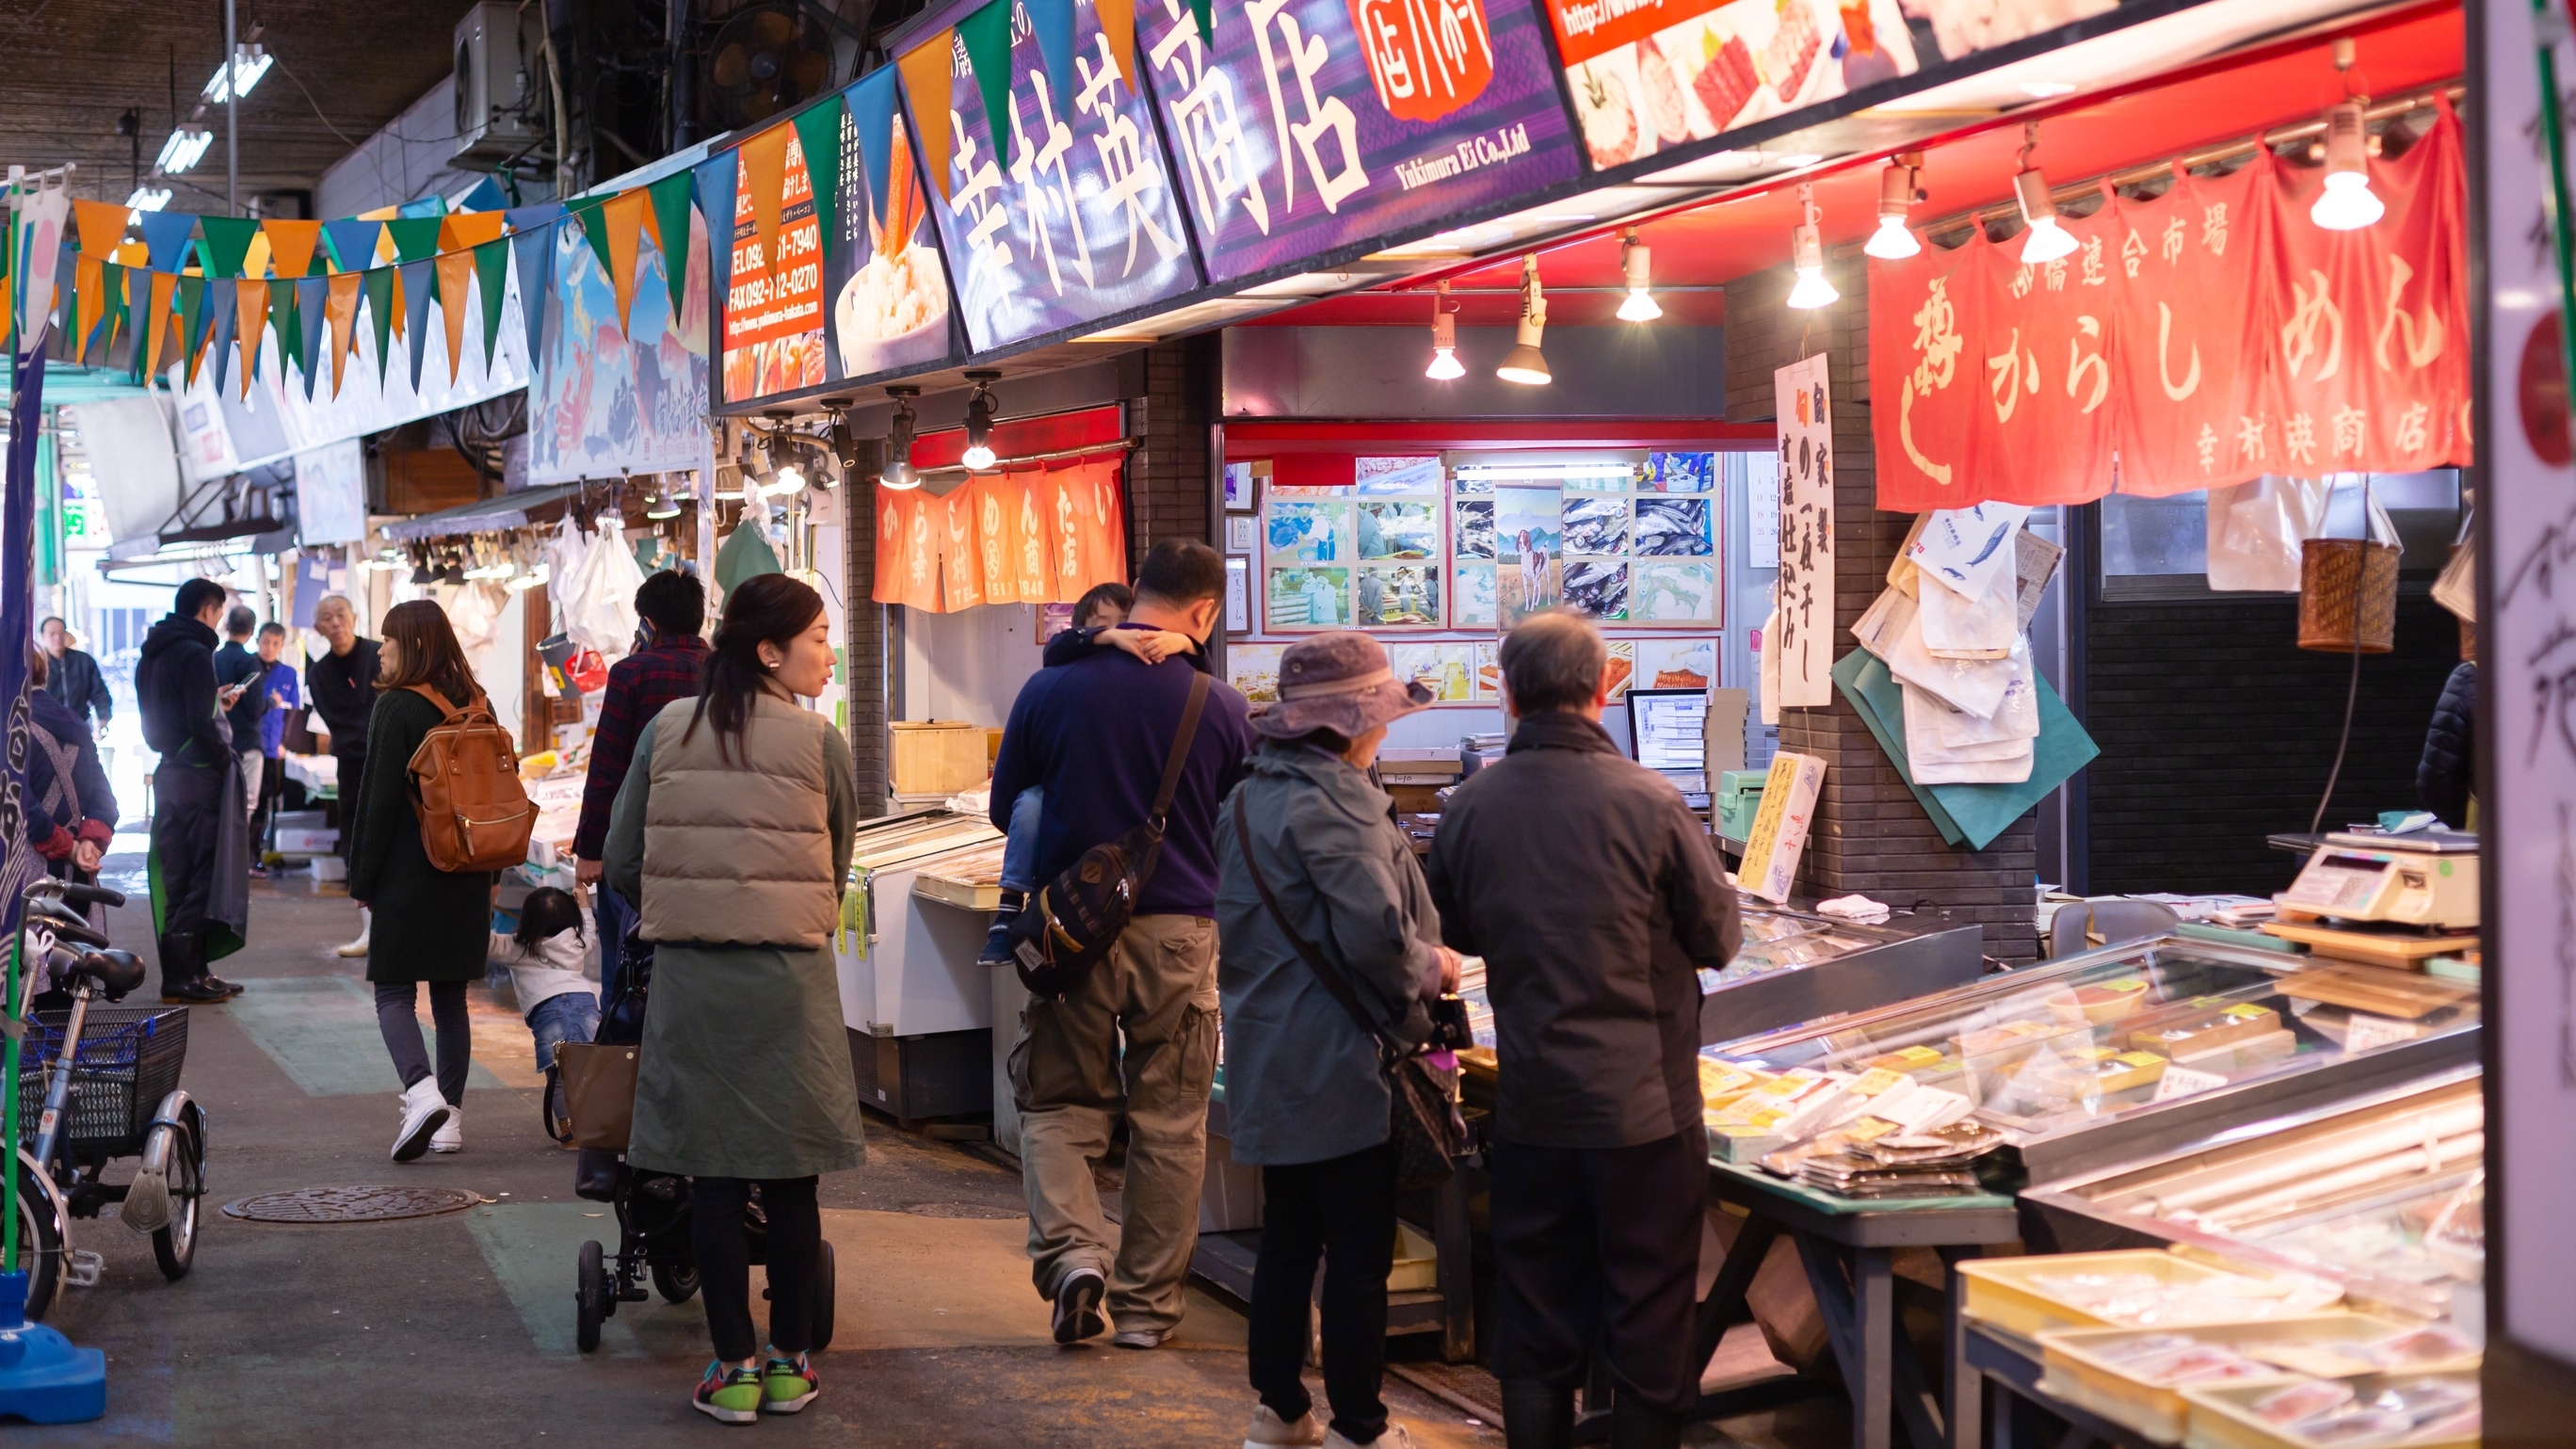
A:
[1155,994]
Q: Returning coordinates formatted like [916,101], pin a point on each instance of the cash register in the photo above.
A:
[2428,879]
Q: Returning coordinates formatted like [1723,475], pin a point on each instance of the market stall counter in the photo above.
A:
[918,1009]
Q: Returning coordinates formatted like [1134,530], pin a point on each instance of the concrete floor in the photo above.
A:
[459,1328]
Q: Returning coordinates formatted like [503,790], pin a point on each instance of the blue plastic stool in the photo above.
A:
[43,1378]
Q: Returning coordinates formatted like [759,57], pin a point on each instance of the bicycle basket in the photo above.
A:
[129,1059]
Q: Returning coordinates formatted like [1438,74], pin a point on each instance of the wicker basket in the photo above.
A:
[2347,596]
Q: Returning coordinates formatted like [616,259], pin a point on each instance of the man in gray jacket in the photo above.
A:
[1594,897]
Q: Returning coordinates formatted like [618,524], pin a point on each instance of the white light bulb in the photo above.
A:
[1640,307]
[1892,242]
[790,479]
[1812,290]
[979,456]
[2047,242]
[2347,203]
[1444,365]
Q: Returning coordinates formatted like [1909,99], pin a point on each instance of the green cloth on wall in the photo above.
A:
[744,555]
[1969,814]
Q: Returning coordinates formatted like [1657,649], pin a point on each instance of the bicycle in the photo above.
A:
[109,1079]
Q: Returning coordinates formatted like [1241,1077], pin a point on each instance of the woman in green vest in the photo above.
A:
[732,833]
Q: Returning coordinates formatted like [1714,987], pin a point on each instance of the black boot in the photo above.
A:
[1537,1415]
[183,971]
[1635,1424]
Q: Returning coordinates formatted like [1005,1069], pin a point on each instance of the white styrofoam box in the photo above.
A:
[330,867]
[305,840]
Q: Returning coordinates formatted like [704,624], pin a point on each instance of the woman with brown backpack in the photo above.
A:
[431,924]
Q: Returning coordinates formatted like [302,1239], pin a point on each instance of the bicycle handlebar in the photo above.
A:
[90,895]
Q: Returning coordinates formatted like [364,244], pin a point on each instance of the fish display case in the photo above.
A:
[2382,1192]
[2141,1049]
[918,1009]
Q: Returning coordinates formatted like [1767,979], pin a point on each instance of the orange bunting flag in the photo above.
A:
[625,216]
[101,225]
[250,302]
[764,174]
[89,298]
[927,73]
[463,231]
[340,306]
[290,246]
[455,292]
[156,329]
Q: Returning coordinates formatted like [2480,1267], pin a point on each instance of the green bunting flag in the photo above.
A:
[227,243]
[415,237]
[585,210]
[818,132]
[380,312]
[492,279]
[312,305]
[987,34]
[671,224]
[193,320]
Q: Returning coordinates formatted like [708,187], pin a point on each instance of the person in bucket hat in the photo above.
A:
[1308,1101]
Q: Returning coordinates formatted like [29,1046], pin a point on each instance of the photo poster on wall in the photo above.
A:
[1806,628]
[1243,484]
[888,283]
[613,402]
[1371,554]
[773,333]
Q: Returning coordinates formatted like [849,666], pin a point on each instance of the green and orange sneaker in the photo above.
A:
[729,1395]
[787,1384]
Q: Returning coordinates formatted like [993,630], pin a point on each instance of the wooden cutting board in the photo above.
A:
[2406,952]
[2378,990]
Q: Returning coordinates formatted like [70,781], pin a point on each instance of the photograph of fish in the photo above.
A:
[1673,591]
[1596,525]
[1381,476]
[1471,599]
[1681,472]
[1400,596]
[1472,529]
[1598,588]
[1399,530]
[1674,528]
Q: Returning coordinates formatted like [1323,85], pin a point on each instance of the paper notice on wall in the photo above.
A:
[1779,835]
[1806,629]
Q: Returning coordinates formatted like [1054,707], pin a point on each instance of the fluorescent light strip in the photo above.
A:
[1502,474]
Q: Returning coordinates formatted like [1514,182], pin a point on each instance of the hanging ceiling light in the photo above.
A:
[663,504]
[979,421]
[1807,256]
[535,576]
[1445,366]
[1897,193]
[790,478]
[1635,259]
[898,473]
[2347,203]
[2046,241]
[1524,363]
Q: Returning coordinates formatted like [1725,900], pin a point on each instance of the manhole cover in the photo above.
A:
[962,1210]
[351,1204]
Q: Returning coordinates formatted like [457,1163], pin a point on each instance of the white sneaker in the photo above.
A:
[1269,1431]
[366,925]
[424,1112]
[1396,1437]
[450,1137]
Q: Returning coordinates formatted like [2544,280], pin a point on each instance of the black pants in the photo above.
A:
[398,1021]
[187,814]
[1600,1245]
[272,787]
[1342,1209]
[352,776]
[724,1261]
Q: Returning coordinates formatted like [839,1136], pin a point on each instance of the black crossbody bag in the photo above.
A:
[1422,1109]
[1073,920]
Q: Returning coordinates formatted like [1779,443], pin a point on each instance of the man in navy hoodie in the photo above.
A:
[183,720]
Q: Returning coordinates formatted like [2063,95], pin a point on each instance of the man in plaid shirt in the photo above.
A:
[665,667]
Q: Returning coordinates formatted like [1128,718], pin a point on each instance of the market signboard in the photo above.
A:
[1081,222]
[1308,125]
[773,336]
[887,283]
[609,400]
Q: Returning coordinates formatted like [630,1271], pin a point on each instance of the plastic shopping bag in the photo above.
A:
[2255,530]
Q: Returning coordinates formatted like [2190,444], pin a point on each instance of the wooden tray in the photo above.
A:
[2405,995]
[2402,951]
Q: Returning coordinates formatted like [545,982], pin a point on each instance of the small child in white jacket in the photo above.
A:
[545,959]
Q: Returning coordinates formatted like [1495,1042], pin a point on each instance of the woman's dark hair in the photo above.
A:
[1086,610]
[426,652]
[547,912]
[772,609]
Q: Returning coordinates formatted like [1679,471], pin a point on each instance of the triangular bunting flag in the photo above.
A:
[871,105]
[353,242]
[492,282]
[987,35]
[529,218]
[670,221]
[228,240]
[136,289]
[486,196]
[312,307]
[1118,26]
[1052,24]
[281,309]
[340,308]
[290,246]
[455,289]
[927,69]
[415,237]
[100,226]
[165,235]
[463,231]
[222,299]
[717,178]
[380,314]
[1204,11]
[156,332]
[818,135]
[764,179]
[584,211]
[432,206]
[532,246]
[252,299]
[623,218]
[416,278]
[194,318]
[89,302]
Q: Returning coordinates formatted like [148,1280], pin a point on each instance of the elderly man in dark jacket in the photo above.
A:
[1306,1098]
[1594,897]
[182,719]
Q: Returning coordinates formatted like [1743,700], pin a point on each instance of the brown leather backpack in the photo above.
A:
[474,815]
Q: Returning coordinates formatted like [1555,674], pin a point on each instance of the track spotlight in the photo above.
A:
[1525,363]
[1897,193]
[1635,261]
[1807,256]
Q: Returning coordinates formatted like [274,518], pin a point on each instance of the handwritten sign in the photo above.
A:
[2184,1082]
[1779,835]
[2366,1032]
[1806,629]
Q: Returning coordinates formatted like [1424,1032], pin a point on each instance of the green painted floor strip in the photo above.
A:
[321,1031]
[532,1248]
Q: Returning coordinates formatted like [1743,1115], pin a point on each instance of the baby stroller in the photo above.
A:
[653,1214]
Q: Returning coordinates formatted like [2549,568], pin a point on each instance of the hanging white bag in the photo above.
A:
[2255,530]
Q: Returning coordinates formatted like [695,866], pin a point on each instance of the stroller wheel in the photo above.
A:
[676,1282]
[589,1296]
[825,1276]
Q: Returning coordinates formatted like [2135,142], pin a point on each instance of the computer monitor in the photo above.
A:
[1666,730]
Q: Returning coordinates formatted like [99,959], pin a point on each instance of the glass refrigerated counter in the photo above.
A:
[2139,1049]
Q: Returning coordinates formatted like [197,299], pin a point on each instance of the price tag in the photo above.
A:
[2366,1032]
[2184,1082]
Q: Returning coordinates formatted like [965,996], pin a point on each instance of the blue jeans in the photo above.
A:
[1020,851]
[571,1017]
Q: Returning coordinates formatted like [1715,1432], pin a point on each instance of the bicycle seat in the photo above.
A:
[115,973]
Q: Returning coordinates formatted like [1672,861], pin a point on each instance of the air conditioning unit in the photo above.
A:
[501,93]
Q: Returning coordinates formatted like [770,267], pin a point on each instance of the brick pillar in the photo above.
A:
[1169,483]
[866,682]
[1870,834]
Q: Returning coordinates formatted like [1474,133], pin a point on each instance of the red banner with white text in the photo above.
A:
[2207,337]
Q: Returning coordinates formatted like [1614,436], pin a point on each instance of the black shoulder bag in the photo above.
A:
[1073,920]
[1422,1111]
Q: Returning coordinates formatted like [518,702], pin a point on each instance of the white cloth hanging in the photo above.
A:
[1958,626]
